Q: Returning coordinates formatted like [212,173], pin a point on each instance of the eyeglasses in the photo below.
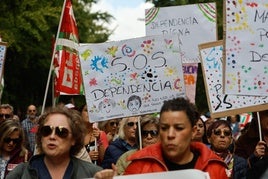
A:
[225,133]
[60,131]
[153,133]
[131,124]
[15,140]
[31,110]
[5,116]
[114,123]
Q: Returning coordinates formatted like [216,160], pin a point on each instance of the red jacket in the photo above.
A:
[150,160]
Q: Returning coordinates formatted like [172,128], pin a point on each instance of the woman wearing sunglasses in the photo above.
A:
[220,137]
[60,137]
[149,135]
[125,142]
[12,149]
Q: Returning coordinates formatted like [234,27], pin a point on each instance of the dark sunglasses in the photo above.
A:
[225,133]
[15,141]
[114,123]
[60,131]
[131,124]
[153,133]
[5,116]
[31,110]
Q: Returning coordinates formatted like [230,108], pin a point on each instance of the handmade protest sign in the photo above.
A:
[3,49]
[187,173]
[130,77]
[190,78]
[194,24]
[220,104]
[246,42]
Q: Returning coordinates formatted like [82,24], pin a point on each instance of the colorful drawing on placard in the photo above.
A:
[131,77]
[221,104]
[246,45]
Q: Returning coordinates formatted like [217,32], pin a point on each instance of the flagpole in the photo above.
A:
[53,56]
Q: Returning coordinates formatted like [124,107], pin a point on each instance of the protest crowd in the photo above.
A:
[175,139]
[65,140]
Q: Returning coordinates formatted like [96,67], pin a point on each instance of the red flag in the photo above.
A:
[66,63]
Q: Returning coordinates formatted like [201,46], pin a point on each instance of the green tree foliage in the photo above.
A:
[28,26]
[201,100]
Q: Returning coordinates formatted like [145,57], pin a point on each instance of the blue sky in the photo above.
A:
[127,14]
[126,3]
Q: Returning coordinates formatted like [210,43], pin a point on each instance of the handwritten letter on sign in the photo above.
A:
[246,46]
[220,104]
[131,77]
[194,24]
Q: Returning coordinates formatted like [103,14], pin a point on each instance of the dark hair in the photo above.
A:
[74,120]
[216,124]
[253,129]
[180,104]
[236,116]
[204,137]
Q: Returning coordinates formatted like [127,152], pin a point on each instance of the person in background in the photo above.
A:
[110,127]
[95,140]
[7,111]
[220,137]
[125,142]
[249,145]
[176,151]
[29,126]
[60,137]
[209,119]
[200,135]
[149,135]
[234,123]
[12,149]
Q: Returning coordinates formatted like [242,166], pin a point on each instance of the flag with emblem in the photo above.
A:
[67,70]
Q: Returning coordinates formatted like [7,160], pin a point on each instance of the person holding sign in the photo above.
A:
[95,140]
[176,151]
[149,135]
[252,145]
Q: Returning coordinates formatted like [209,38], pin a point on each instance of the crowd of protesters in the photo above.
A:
[63,143]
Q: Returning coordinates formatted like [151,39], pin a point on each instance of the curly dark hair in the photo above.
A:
[180,104]
[74,120]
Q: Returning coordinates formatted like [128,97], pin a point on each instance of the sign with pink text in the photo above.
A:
[131,77]
[220,104]
[190,78]
[195,24]
[246,44]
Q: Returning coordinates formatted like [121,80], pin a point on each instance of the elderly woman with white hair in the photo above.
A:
[126,141]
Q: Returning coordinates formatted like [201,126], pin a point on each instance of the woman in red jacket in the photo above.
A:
[176,151]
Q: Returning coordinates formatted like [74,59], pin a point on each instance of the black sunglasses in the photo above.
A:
[153,133]
[60,131]
[15,141]
[131,124]
[114,123]
[5,116]
[225,133]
